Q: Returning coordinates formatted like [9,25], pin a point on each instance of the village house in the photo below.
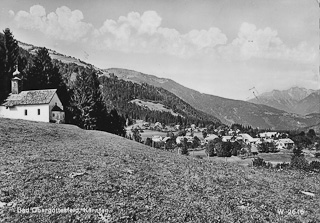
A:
[248,139]
[34,105]
[284,143]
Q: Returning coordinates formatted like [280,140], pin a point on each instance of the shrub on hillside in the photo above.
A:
[158,145]
[148,142]
[223,149]
[136,135]
[314,165]
[298,161]
[282,165]
[169,145]
[262,148]
[196,142]
[258,162]
[210,148]
[184,148]
[236,147]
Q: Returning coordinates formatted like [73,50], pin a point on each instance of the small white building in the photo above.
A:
[284,143]
[34,105]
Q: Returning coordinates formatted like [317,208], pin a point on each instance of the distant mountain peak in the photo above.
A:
[296,99]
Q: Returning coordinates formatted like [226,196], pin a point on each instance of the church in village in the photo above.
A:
[34,105]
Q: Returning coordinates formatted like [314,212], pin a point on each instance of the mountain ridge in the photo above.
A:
[296,100]
[229,111]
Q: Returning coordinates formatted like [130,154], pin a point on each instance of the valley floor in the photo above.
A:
[45,167]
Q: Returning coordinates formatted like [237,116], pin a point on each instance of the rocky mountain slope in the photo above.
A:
[296,100]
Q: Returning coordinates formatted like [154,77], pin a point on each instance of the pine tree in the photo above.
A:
[86,100]
[42,74]
[9,53]
[2,66]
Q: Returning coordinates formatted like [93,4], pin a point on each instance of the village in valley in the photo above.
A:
[275,146]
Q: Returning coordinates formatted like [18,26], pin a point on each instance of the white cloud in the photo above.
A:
[63,24]
[11,13]
[143,33]
[264,43]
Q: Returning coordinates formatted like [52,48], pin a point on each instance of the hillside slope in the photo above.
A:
[227,110]
[53,54]
[49,166]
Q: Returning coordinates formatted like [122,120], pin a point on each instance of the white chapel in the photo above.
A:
[34,105]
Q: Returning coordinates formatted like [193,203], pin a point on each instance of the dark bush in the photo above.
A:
[262,148]
[272,147]
[184,148]
[148,142]
[282,165]
[169,145]
[210,148]
[196,142]
[158,145]
[314,165]
[223,149]
[267,147]
[299,162]
[236,147]
[258,162]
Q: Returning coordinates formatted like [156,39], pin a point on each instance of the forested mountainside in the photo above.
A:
[229,111]
[118,93]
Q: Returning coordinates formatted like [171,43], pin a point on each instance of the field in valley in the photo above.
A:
[48,166]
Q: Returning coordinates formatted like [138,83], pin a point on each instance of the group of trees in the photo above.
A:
[9,54]
[223,149]
[304,140]
[266,147]
[82,98]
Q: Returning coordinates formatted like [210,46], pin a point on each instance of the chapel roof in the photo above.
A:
[33,97]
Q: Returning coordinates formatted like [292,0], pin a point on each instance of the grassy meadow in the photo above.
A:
[47,166]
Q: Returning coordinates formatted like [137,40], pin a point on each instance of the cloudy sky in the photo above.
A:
[220,47]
